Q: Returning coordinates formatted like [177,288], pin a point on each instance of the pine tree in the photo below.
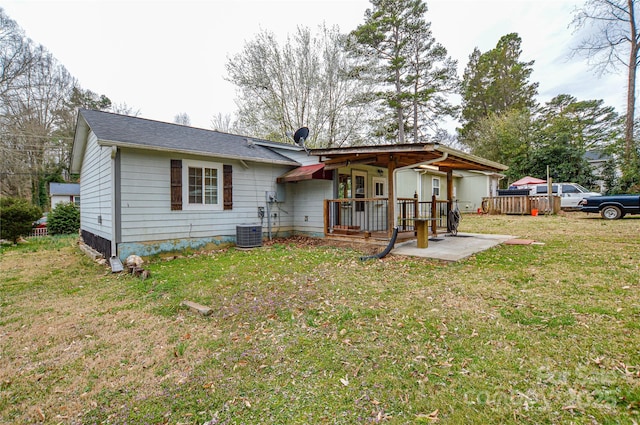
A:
[410,69]
[495,82]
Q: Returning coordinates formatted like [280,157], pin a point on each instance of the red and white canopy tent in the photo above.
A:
[528,180]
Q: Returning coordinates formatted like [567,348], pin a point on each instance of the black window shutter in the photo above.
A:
[176,185]
[227,183]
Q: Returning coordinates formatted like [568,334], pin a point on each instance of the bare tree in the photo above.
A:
[15,53]
[38,110]
[182,119]
[302,83]
[124,109]
[30,112]
[613,41]
[223,123]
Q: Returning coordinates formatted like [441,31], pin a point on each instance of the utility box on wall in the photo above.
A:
[281,192]
[248,235]
[277,195]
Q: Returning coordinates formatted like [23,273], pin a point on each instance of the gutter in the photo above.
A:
[444,156]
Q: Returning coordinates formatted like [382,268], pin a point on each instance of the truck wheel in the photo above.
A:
[611,213]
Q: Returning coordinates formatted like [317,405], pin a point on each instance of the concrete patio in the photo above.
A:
[447,247]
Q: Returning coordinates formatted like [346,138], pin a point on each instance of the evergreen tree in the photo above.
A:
[16,218]
[505,138]
[587,124]
[411,71]
[566,130]
[495,82]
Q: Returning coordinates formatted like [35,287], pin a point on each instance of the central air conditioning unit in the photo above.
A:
[248,235]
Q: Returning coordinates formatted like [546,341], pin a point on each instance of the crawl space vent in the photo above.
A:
[248,235]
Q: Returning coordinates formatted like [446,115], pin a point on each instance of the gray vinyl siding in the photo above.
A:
[309,205]
[95,190]
[406,184]
[298,155]
[471,188]
[146,200]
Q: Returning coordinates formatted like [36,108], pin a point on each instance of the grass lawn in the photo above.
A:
[306,333]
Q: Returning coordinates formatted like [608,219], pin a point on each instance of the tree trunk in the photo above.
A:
[631,87]
[399,110]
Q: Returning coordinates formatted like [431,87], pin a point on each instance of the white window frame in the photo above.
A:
[379,181]
[435,186]
[186,205]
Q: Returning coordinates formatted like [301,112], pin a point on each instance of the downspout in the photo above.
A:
[406,167]
[114,261]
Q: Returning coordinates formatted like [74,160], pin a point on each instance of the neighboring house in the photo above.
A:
[598,160]
[150,187]
[64,192]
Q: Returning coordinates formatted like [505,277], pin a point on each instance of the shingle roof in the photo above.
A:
[126,131]
[64,189]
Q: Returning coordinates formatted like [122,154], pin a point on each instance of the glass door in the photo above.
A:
[359,180]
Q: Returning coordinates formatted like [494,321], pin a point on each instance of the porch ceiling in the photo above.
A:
[405,155]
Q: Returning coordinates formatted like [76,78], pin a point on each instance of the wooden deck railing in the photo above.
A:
[520,205]
[354,216]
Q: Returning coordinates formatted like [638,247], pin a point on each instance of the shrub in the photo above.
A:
[16,218]
[64,219]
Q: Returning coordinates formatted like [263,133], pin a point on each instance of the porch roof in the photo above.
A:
[445,158]
[306,172]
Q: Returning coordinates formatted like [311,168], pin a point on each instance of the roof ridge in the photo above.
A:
[126,130]
[257,139]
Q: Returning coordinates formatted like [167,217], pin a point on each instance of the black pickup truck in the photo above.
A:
[611,207]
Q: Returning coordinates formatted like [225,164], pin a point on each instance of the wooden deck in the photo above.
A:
[376,238]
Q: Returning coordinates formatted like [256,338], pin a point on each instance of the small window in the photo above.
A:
[435,187]
[76,200]
[379,187]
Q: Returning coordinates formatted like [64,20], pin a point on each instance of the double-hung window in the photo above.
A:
[204,185]
[435,186]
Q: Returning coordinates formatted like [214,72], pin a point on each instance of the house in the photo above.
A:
[598,161]
[469,186]
[64,192]
[149,187]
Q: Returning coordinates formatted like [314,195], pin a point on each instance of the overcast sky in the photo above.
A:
[167,57]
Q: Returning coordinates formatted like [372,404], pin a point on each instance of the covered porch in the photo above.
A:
[369,208]
[346,217]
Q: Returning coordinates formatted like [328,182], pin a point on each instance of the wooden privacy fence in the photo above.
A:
[520,205]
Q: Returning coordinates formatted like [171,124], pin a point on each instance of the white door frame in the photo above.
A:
[360,191]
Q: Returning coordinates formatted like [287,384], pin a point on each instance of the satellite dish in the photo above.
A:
[301,135]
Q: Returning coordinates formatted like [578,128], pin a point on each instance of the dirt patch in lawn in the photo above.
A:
[65,346]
